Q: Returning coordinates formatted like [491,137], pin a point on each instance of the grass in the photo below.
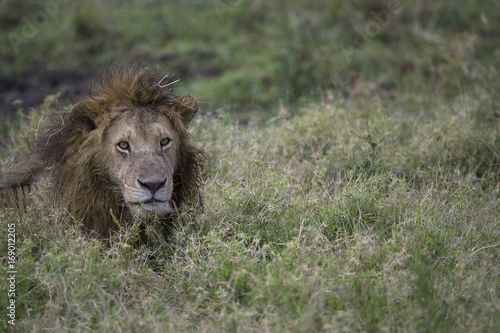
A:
[342,194]
[302,230]
[246,55]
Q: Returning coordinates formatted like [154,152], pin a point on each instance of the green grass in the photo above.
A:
[254,55]
[305,228]
[342,194]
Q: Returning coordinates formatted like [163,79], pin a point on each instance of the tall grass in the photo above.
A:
[305,228]
[351,186]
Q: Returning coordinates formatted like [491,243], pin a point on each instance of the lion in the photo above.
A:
[123,152]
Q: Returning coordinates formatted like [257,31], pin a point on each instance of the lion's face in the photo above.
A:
[142,148]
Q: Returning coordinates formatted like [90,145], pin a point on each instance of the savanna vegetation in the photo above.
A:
[353,179]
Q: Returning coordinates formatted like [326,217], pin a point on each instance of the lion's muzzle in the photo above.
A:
[152,186]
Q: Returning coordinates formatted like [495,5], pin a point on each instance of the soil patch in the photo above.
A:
[31,88]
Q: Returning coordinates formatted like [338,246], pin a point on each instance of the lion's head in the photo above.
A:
[124,151]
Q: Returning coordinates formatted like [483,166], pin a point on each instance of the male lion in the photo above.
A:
[123,148]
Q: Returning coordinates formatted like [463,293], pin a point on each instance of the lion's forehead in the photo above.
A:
[141,126]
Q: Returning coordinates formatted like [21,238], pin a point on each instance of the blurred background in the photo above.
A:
[247,58]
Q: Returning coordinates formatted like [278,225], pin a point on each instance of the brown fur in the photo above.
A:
[71,156]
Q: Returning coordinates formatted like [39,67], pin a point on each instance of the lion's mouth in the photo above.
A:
[147,202]
[144,208]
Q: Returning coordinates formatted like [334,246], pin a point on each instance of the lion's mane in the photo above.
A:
[76,165]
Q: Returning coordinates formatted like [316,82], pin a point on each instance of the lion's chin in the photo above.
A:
[147,210]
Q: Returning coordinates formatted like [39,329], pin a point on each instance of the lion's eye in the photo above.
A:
[124,145]
[164,142]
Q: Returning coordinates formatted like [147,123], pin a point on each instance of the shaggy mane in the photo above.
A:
[133,85]
[75,164]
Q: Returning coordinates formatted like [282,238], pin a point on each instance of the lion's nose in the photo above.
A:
[152,186]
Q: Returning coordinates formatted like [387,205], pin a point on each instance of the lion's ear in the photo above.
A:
[82,117]
[186,106]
